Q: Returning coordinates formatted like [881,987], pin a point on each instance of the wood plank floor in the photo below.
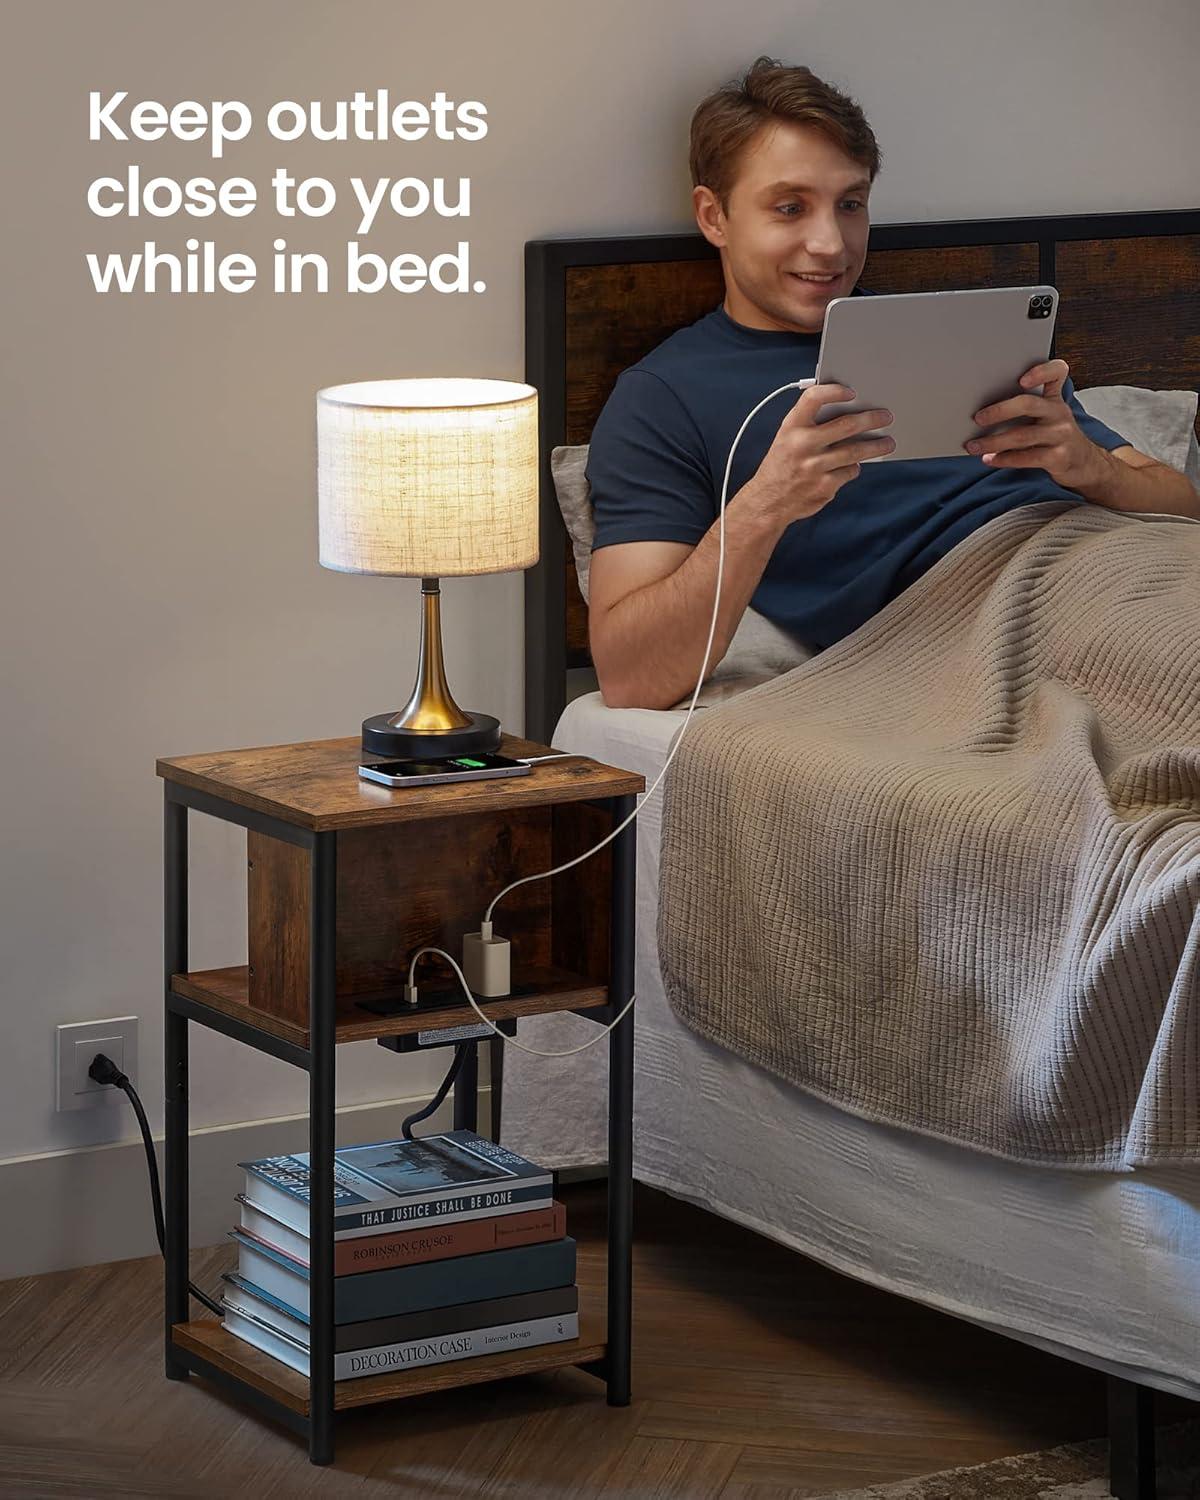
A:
[757,1375]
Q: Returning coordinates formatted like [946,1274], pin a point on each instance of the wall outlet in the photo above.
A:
[77,1043]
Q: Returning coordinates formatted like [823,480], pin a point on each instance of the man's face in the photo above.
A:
[799,205]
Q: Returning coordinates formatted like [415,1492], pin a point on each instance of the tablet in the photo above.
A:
[933,359]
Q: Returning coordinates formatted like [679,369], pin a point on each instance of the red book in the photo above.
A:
[404,1247]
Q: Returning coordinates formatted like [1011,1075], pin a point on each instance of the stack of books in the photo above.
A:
[445,1247]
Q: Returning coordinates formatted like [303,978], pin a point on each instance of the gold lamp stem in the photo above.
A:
[431,705]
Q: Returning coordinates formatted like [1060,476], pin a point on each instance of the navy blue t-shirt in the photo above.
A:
[657,460]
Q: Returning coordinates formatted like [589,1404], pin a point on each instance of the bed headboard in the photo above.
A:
[1129,314]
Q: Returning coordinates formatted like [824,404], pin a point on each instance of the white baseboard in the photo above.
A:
[86,1207]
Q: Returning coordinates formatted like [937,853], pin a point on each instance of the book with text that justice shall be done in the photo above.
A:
[433,1179]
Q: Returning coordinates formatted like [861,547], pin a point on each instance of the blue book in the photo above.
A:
[394,1184]
[254,1302]
[408,1289]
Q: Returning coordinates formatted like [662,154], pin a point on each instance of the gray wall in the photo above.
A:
[162,594]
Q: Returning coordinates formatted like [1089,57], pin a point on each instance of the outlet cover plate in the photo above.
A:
[77,1043]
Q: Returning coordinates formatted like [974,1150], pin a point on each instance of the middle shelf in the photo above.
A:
[540,990]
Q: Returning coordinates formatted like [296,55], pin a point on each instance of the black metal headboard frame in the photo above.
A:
[547,262]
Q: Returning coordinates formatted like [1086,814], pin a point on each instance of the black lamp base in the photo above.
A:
[483,733]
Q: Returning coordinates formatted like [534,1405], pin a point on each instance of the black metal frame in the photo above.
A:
[319,1059]
[1131,1473]
[547,262]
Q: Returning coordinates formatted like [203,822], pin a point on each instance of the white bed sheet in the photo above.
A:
[1103,1268]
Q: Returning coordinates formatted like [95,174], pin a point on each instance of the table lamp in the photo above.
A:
[428,478]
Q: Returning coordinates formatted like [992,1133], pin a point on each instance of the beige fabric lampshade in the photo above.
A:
[428,477]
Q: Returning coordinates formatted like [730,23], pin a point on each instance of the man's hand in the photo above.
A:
[1051,440]
[809,461]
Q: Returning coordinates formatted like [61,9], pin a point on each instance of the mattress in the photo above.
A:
[1102,1268]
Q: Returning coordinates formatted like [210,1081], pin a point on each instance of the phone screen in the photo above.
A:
[438,767]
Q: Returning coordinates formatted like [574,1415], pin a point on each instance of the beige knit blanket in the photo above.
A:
[946,874]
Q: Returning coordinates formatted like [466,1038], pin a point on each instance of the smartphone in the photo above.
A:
[430,772]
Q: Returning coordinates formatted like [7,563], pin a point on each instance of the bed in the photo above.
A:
[1101,1268]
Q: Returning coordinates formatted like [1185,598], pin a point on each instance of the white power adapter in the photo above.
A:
[487,962]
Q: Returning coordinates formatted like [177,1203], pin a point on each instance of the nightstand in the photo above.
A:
[345,880]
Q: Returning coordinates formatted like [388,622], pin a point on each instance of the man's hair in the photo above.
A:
[726,121]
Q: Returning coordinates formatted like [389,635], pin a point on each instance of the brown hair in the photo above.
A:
[726,121]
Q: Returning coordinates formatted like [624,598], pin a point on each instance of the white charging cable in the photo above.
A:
[486,927]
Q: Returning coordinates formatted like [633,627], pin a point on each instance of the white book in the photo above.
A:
[273,1231]
[434,1351]
[266,1339]
[289,1286]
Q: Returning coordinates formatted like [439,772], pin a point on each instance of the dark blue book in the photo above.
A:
[253,1300]
[407,1289]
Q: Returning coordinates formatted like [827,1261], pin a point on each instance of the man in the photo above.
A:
[783,166]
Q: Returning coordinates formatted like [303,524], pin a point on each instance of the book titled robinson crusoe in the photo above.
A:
[404,1247]
[413,1288]
[434,1179]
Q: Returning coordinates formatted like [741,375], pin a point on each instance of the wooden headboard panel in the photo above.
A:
[1129,314]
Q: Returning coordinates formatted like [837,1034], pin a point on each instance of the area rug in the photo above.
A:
[1076,1471]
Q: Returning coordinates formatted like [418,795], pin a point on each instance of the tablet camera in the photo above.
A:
[1040,306]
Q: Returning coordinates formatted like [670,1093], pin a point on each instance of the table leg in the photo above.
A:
[175,1079]
[620,1105]
[466,1091]
[322,1085]
[496,1085]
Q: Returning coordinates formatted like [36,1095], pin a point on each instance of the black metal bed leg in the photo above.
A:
[175,1080]
[466,1090]
[322,1086]
[620,1107]
[1131,1473]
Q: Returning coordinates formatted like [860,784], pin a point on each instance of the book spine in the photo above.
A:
[466,1345]
[468,1237]
[439,1321]
[466,1278]
[347,1227]
[428,1207]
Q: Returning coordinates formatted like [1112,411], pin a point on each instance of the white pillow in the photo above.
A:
[1160,424]
[568,464]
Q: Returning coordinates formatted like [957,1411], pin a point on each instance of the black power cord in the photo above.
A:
[460,1053]
[104,1070]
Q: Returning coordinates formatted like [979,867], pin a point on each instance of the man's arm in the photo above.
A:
[1125,479]
[1120,478]
[650,605]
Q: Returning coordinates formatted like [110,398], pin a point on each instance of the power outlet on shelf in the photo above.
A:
[77,1043]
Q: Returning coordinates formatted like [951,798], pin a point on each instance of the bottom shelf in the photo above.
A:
[205,1337]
